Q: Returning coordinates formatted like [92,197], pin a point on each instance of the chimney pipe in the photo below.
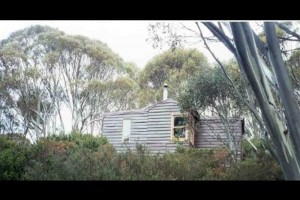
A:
[165,95]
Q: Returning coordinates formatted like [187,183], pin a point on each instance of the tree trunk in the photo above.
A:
[286,91]
[247,51]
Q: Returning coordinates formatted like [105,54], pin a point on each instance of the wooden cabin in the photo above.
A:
[161,127]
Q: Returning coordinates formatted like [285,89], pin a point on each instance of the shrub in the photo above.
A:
[13,156]
[84,157]
[82,140]
[255,165]
[264,168]
[69,157]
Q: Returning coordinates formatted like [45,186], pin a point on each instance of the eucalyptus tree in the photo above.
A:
[271,96]
[172,67]
[81,61]
[22,67]
[253,59]
[49,72]
[209,90]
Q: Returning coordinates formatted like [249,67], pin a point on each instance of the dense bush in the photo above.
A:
[14,151]
[85,157]
[255,164]
[68,157]
[263,168]
[81,140]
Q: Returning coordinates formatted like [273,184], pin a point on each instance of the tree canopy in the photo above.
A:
[267,66]
[43,70]
[172,67]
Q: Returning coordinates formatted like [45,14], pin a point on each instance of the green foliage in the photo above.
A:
[124,92]
[279,32]
[68,157]
[13,156]
[81,140]
[44,69]
[262,168]
[211,88]
[172,67]
[132,70]
[248,149]
[255,164]
[85,157]
[252,169]
[189,164]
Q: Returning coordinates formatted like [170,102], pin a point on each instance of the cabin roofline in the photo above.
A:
[139,111]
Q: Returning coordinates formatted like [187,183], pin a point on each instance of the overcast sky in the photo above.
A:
[127,38]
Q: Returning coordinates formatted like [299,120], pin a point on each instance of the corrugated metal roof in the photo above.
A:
[126,112]
[167,100]
[142,110]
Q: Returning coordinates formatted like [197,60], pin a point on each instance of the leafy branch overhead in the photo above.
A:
[268,66]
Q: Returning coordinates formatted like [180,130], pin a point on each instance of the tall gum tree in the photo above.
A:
[49,72]
[271,96]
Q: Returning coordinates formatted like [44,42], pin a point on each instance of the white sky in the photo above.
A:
[127,38]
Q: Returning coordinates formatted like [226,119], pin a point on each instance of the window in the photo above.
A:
[183,128]
[126,130]
[179,130]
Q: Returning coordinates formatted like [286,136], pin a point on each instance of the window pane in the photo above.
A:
[179,121]
[126,129]
[179,132]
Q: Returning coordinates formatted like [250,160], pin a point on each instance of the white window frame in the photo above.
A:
[126,138]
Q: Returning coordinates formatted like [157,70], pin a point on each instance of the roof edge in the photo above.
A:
[141,110]
[168,99]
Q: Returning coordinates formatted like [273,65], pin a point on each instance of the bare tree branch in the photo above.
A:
[231,82]
[287,30]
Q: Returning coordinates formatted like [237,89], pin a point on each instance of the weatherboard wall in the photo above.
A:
[112,130]
[211,133]
[159,127]
[151,127]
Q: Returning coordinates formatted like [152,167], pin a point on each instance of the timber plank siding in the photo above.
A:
[159,127]
[151,126]
[211,133]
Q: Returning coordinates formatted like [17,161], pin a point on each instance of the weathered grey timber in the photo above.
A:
[152,126]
